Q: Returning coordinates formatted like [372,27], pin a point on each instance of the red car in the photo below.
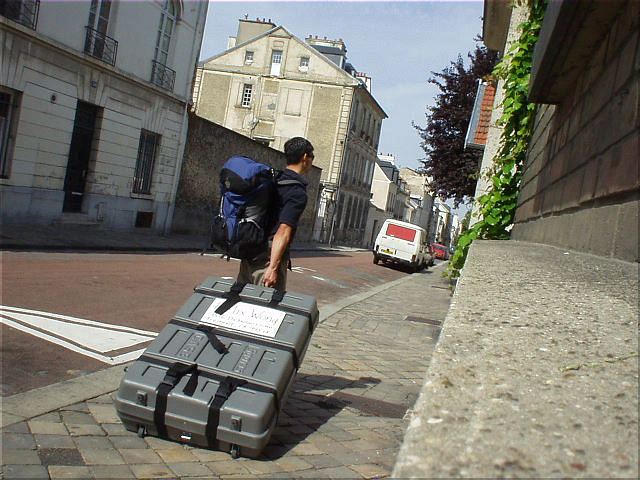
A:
[439,251]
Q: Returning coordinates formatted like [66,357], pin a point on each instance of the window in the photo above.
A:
[304,64]
[97,43]
[276,61]
[248,57]
[147,148]
[246,95]
[24,12]
[8,124]
[167,22]
[99,15]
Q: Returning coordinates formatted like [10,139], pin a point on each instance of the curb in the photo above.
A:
[36,402]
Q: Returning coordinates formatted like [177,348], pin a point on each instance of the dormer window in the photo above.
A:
[304,64]
[248,57]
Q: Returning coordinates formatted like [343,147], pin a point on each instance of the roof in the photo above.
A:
[478,130]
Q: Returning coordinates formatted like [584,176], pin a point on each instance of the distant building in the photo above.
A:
[93,109]
[271,86]
[420,204]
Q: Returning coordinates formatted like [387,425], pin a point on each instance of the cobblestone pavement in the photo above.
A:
[345,417]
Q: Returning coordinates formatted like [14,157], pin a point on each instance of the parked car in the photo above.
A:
[402,243]
[439,251]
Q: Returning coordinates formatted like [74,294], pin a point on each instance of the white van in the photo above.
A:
[403,243]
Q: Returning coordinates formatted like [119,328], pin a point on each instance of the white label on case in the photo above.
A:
[245,317]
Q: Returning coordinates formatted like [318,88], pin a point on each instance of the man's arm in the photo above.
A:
[279,245]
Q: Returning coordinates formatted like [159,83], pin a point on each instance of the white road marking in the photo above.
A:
[302,269]
[87,337]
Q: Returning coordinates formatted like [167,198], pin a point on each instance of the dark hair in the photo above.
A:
[295,148]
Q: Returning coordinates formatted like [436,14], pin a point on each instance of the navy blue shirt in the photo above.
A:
[291,200]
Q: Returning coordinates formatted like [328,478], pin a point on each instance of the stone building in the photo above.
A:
[420,204]
[93,109]
[271,86]
[208,147]
[581,187]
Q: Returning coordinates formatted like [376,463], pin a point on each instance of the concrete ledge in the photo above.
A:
[536,372]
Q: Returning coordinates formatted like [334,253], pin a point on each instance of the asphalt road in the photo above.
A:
[50,299]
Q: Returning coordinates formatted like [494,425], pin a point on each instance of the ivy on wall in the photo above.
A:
[498,206]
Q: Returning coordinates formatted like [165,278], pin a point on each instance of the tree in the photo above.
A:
[454,171]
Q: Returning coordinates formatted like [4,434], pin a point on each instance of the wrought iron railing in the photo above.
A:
[24,12]
[100,46]
[162,75]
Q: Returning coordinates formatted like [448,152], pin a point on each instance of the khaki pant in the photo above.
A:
[252,271]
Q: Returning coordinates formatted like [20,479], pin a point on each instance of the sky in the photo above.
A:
[397,43]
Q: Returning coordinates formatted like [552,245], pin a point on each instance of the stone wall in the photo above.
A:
[208,146]
[581,187]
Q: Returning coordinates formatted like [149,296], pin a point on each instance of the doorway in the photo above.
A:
[79,155]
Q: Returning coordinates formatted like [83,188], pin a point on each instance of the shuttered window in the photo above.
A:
[149,143]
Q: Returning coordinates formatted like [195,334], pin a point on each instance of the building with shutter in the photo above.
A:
[93,109]
[271,86]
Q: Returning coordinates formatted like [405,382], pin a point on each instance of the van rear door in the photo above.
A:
[399,241]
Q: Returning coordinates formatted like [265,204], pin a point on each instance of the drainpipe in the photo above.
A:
[185,121]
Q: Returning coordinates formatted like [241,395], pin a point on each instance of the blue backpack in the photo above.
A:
[247,198]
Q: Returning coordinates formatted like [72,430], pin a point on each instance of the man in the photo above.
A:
[270,269]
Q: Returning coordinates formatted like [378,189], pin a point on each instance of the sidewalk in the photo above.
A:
[345,418]
[94,237]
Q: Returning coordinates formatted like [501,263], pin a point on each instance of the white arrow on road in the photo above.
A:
[93,339]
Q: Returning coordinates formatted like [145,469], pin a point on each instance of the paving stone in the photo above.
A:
[103,413]
[20,427]
[106,398]
[18,441]
[228,467]
[204,455]
[261,467]
[111,471]
[52,417]
[116,429]
[139,455]
[370,470]
[322,461]
[176,455]
[341,435]
[60,456]
[76,407]
[92,443]
[54,441]
[128,442]
[61,471]
[292,464]
[190,469]
[78,418]
[25,471]
[20,457]
[159,443]
[303,449]
[81,430]
[152,471]
[103,456]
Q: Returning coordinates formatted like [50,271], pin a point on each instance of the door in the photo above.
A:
[276,61]
[79,154]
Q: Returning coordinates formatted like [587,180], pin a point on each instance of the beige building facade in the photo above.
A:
[93,109]
[271,86]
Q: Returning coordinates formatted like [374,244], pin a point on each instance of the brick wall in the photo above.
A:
[208,146]
[581,186]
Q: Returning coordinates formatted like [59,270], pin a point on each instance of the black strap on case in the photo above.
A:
[226,388]
[168,383]
[232,297]
[209,331]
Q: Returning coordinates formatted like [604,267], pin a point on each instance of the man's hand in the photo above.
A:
[270,276]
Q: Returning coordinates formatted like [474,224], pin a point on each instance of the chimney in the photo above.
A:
[248,29]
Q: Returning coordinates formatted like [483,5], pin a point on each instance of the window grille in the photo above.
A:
[25,12]
[147,148]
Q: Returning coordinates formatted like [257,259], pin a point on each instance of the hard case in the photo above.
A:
[214,386]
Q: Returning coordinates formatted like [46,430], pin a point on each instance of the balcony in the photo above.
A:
[100,46]
[25,12]
[162,76]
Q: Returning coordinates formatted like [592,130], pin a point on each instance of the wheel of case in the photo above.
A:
[235,451]
[142,431]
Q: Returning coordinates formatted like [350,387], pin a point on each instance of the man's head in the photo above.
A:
[299,154]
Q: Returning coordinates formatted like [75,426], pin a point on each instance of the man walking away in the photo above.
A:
[270,268]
